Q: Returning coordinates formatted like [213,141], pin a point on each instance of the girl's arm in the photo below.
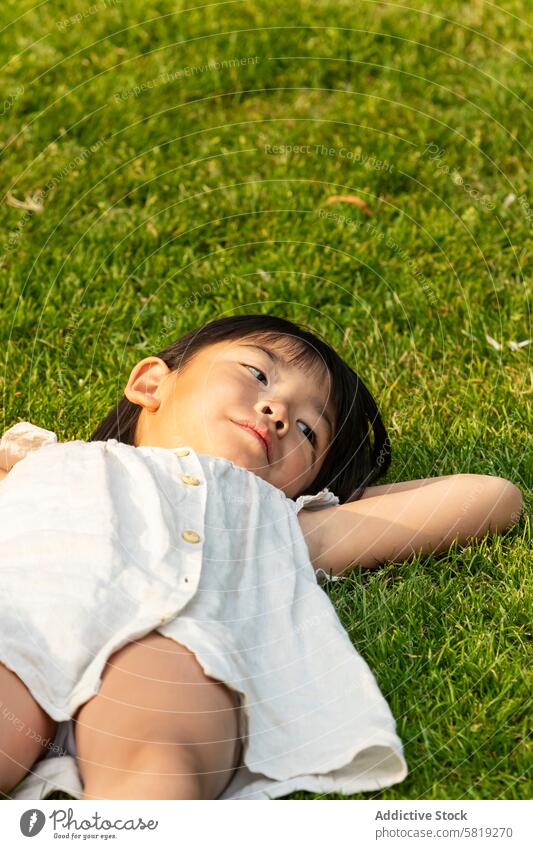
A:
[404,519]
[401,486]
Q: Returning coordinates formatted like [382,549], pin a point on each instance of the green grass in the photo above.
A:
[179,191]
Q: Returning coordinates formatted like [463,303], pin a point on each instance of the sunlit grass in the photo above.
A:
[164,205]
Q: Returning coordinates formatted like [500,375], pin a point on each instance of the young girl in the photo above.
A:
[162,623]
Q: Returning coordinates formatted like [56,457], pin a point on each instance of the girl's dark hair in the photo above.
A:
[353,460]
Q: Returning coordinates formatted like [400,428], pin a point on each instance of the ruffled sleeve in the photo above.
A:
[20,440]
[324,498]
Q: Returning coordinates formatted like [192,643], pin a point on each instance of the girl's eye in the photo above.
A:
[257,370]
[311,436]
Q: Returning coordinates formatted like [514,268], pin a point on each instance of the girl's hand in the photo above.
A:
[20,440]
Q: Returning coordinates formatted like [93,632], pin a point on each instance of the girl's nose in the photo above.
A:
[277,411]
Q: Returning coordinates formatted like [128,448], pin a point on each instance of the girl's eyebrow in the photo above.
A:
[279,361]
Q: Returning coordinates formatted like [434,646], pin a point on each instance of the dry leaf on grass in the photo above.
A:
[493,343]
[350,199]
[516,346]
[30,202]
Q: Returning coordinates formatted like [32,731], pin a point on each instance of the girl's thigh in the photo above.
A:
[25,729]
[156,699]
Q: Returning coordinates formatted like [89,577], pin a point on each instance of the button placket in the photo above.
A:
[189,534]
[189,510]
[192,475]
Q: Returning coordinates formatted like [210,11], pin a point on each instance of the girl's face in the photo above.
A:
[227,390]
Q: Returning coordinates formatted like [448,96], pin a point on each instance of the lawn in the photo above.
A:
[161,168]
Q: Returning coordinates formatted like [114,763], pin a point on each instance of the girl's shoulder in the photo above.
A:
[41,447]
[24,438]
[238,474]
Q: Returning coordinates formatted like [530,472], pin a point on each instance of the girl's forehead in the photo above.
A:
[280,353]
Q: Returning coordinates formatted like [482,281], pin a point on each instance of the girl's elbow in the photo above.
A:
[505,502]
[514,501]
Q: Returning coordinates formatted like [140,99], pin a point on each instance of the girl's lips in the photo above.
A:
[257,436]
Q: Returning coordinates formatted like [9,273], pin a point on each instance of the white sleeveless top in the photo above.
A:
[104,542]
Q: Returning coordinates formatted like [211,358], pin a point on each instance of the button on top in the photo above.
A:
[190,536]
[190,479]
[182,452]
[166,617]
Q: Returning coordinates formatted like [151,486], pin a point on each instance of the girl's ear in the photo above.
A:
[144,380]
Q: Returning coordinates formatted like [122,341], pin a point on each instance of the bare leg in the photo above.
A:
[25,729]
[159,728]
